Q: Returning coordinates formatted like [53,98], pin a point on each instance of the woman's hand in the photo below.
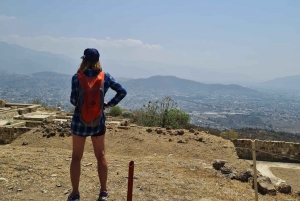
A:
[105,105]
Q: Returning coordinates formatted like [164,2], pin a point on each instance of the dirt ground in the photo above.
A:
[167,167]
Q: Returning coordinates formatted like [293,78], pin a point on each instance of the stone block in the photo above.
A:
[2,103]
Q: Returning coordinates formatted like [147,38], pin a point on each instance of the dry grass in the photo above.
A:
[164,169]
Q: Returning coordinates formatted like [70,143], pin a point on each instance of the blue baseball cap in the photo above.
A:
[91,54]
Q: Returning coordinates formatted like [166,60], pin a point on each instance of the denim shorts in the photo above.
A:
[102,132]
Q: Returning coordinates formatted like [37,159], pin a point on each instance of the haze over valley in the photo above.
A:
[29,74]
[218,106]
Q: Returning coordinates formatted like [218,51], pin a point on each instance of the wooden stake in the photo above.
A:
[254,169]
[130,181]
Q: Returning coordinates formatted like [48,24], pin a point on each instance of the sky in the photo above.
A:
[258,39]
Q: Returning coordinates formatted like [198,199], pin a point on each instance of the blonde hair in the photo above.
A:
[85,64]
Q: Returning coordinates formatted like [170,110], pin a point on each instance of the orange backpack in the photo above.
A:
[91,99]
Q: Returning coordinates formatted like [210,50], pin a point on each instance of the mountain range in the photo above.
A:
[283,84]
[211,105]
[182,87]
[17,59]
[53,87]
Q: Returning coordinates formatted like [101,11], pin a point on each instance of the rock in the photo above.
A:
[170,140]
[297,193]
[159,131]
[44,191]
[24,143]
[192,130]
[284,188]
[217,164]
[227,168]
[3,179]
[200,139]
[69,133]
[265,186]
[149,130]
[54,175]
[125,123]
[58,185]
[232,175]
[51,134]
[180,141]
[124,127]
[180,132]
[244,176]
[19,189]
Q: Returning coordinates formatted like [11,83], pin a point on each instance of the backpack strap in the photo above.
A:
[90,82]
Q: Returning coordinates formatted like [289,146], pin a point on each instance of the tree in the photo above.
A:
[231,134]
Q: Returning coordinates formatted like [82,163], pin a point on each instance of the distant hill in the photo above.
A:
[286,84]
[17,59]
[171,85]
[51,87]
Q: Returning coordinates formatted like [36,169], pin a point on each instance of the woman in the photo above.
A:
[90,67]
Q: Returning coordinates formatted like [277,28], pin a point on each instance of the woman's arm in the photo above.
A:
[117,87]
[74,90]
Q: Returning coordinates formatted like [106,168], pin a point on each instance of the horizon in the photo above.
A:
[257,41]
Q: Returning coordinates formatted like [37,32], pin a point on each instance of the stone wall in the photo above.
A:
[33,124]
[9,134]
[269,150]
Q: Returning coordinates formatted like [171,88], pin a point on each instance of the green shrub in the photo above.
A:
[39,102]
[115,111]
[162,113]
[126,114]
[231,134]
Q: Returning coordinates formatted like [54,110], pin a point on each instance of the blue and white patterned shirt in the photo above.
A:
[79,128]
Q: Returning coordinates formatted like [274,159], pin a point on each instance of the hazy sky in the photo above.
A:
[252,37]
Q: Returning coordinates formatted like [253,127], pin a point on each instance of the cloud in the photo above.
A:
[74,46]
[4,17]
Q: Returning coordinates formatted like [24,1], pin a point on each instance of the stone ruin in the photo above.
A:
[279,151]
[16,119]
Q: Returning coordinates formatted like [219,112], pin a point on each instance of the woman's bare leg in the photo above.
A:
[78,148]
[99,150]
